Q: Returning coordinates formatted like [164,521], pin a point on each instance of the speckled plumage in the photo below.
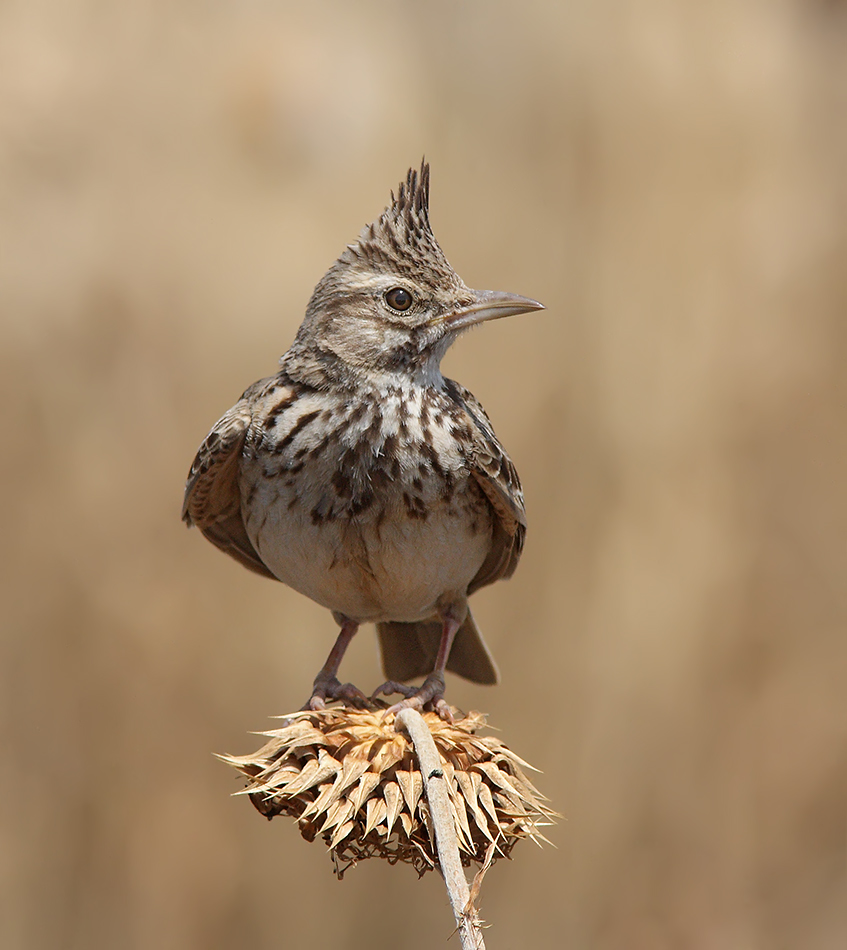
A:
[359,475]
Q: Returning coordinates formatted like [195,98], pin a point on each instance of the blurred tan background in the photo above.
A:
[669,178]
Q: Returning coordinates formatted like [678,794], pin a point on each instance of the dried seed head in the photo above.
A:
[347,775]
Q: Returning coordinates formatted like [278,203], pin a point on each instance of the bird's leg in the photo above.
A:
[326,685]
[431,691]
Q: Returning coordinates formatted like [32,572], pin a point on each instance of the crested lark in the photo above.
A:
[360,476]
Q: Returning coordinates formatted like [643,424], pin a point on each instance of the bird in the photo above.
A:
[362,477]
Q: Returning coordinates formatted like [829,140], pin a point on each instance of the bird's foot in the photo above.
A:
[392,686]
[329,687]
[428,696]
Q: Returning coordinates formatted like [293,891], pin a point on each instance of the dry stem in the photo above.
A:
[467,920]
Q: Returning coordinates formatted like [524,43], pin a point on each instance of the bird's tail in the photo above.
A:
[409,650]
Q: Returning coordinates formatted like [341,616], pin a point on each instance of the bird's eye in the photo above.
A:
[398,298]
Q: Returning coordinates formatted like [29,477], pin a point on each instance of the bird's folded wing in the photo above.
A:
[497,477]
[212,496]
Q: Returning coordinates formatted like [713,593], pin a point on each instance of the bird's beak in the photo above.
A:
[490,305]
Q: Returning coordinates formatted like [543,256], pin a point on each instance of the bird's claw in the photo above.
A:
[329,687]
[428,696]
[392,686]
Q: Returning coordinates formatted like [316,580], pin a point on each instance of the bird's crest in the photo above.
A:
[401,239]
[411,206]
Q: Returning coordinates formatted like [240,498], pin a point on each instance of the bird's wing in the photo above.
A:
[212,496]
[498,478]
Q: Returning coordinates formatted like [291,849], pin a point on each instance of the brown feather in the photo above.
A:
[212,495]
[498,478]
[409,650]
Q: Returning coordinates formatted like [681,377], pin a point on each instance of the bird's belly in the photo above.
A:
[384,564]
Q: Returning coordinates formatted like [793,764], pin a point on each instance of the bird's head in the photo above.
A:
[392,303]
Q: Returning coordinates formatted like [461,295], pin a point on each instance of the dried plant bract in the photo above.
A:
[349,776]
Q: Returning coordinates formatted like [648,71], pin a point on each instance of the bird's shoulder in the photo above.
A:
[212,494]
[497,477]
[491,465]
[211,490]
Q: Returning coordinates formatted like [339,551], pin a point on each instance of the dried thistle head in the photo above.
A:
[347,775]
